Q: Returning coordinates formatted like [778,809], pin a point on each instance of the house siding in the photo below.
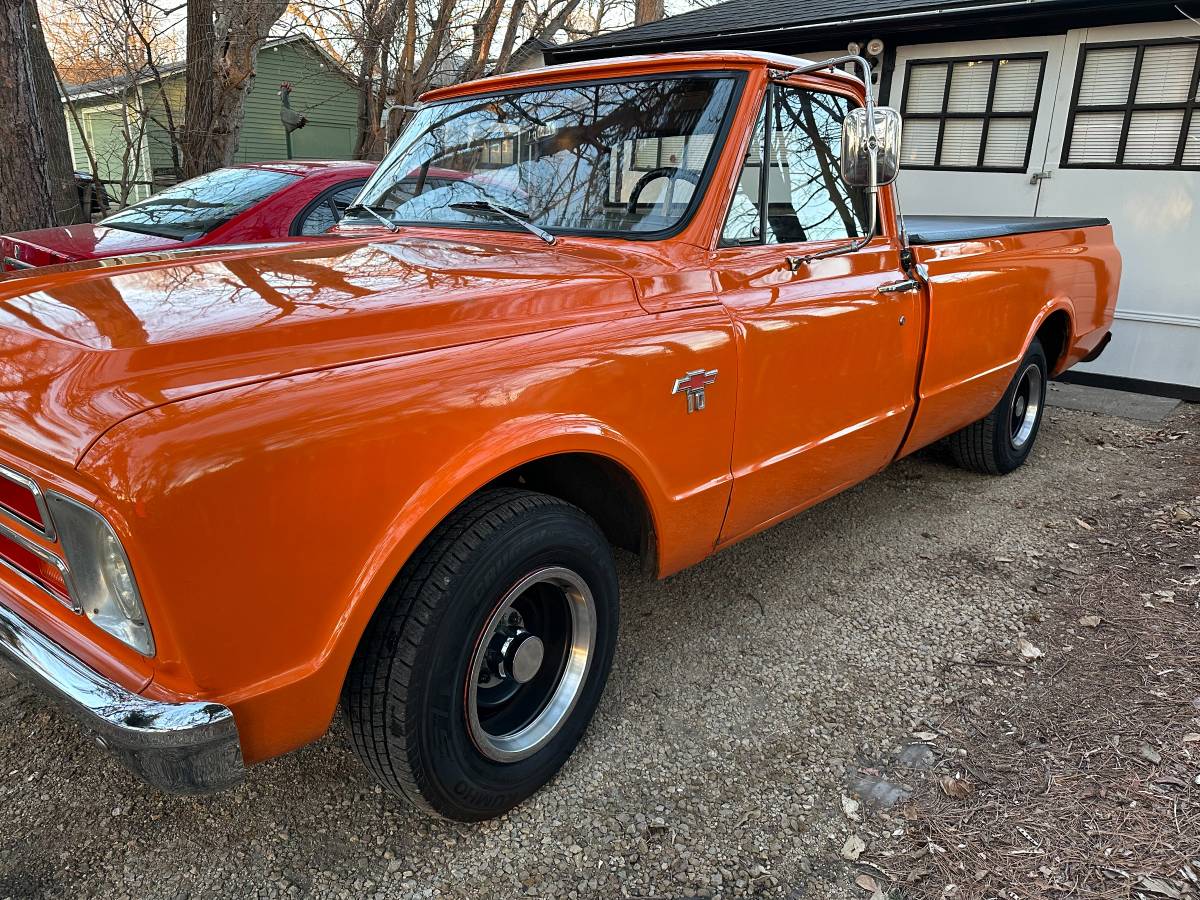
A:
[320,92]
[324,96]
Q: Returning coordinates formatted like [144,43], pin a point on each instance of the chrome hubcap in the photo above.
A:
[530,663]
[1026,405]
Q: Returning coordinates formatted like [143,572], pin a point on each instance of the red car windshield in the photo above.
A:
[191,209]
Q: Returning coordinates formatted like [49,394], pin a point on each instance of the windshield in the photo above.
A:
[612,157]
[191,209]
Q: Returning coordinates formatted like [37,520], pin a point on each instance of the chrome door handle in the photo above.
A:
[900,287]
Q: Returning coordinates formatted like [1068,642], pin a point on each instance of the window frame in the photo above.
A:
[1189,106]
[766,108]
[987,114]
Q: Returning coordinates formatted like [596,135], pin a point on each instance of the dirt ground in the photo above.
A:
[1075,770]
[935,685]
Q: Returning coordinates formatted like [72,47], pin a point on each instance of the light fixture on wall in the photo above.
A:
[875,47]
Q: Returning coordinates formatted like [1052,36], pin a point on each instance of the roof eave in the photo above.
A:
[899,21]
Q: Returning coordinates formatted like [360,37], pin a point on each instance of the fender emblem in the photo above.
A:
[693,384]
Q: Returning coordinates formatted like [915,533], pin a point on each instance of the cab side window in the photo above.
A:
[794,192]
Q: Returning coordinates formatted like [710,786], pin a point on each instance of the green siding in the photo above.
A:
[159,103]
[324,96]
[319,92]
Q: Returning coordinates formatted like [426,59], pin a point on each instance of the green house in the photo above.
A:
[128,124]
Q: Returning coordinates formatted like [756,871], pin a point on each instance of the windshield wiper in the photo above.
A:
[387,223]
[487,206]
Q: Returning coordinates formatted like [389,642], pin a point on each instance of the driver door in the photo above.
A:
[829,355]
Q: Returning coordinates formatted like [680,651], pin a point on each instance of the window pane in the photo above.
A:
[926,88]
[645,153]
[1096,137]
[969,86]
[320,220]
[742,222]
[806,197]
[960,146]
[1106,75]
[1166,75]
[697,151]
[1153,138]
[1016,85]
[918,147]
[195,207]
[1191,150]
[1007,142]
[344,197]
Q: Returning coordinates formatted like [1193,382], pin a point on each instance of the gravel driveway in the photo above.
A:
[745,693]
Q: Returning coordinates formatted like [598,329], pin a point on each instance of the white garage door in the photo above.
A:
[1098,122]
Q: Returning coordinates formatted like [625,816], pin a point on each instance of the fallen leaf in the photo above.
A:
[850,807]
[1028,650]
[925,735]
[854,847]
[1090,621]
[1160,887]
[1082,524]
[1191,738]
[1149,754]
[957,788]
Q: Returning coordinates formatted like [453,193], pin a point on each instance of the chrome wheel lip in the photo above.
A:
[1030,390]
[568,688]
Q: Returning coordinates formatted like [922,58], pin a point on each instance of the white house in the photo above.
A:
[1022,107]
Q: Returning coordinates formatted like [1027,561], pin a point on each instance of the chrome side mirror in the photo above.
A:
[856,147]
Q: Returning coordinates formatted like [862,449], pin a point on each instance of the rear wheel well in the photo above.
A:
[600,487]
[1055,337]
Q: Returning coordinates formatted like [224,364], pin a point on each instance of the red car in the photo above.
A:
[241,204]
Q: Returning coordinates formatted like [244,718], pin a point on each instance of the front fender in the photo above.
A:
[265,522]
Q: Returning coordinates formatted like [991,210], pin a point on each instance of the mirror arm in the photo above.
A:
[795,262]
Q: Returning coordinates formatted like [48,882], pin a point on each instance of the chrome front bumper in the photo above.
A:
[180,747]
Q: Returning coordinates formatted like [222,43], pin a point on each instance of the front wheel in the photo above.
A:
[480,671]
[1002,440]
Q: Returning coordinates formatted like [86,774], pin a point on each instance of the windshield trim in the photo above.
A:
[739,78]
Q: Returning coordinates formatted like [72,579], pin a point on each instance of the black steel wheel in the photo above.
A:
[481,670]
[1002,440]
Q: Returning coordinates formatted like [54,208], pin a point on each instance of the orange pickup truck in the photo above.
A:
[663,303]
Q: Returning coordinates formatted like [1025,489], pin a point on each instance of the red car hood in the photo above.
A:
[80,350]
[47,246]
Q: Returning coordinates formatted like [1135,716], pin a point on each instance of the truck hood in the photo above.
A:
[82,350]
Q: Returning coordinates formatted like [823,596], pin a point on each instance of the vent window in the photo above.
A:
[1134,107]
[971,114]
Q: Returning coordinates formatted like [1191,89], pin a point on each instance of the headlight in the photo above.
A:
[101,579]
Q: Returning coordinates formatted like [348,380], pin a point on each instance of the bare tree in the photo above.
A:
[223,39]
[36,184]
[117,49]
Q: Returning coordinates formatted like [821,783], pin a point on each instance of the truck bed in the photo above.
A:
[946,229]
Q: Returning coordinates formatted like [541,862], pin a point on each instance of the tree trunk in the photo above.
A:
[648,11]
[201,51]
[37,189]
[483,31]
[218,80]
[510,35]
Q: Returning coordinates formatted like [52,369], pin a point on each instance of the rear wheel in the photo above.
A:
[480,671]
[1002,440]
